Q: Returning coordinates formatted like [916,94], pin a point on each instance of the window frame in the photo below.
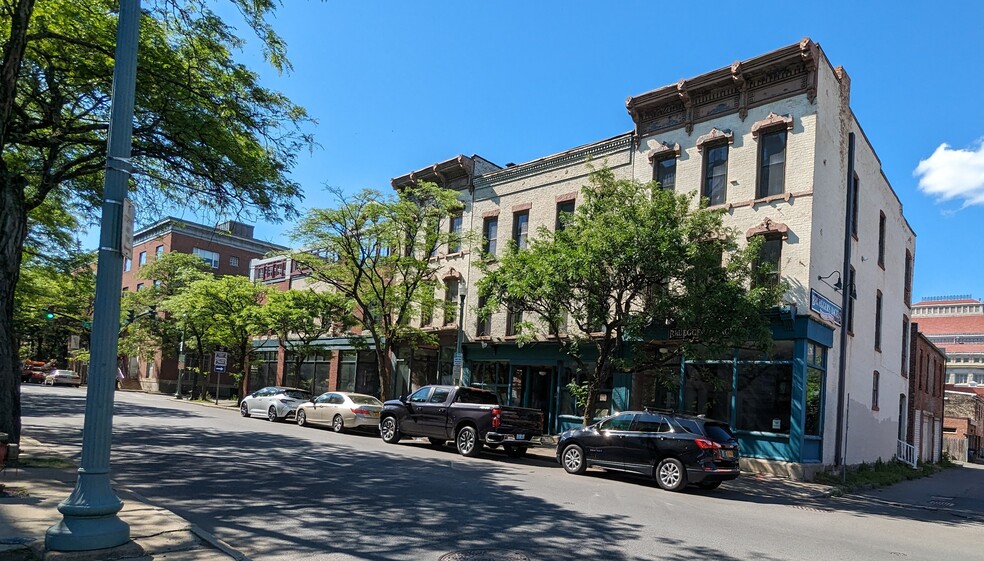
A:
[760,191]
[521,236]
[882,226]
[490,244]
[562,208]
[708,150]
[455,224]
[659,177]
[875,389]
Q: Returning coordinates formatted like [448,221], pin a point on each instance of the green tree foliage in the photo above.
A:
[205,132]
[376,250]
[631,258]
[63,289]
[298,318]
[220,312]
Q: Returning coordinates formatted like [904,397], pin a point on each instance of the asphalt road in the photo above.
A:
[276,491]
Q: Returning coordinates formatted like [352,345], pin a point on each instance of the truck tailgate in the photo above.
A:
[521,420]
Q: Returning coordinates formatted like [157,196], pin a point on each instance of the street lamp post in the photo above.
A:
[90,518]
[181,364]
[458,357]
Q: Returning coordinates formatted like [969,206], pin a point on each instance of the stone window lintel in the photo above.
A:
[769,229]
[773,122]
[714,137]
[663,151]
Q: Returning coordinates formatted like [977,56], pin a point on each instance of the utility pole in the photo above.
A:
[90,512]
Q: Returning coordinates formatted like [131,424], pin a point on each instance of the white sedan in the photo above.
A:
[340,411]
[63,378]
[275,402]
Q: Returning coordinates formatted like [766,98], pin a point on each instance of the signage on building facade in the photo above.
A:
[691,333]
[825,307]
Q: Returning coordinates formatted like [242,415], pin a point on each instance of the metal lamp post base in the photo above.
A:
[90,520]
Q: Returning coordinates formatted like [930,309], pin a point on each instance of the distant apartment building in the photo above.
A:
[923,426]
[228,248]
[956,325]
[772,141]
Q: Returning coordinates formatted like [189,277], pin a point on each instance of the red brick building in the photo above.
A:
[924,426]
[228,247]
[956,325]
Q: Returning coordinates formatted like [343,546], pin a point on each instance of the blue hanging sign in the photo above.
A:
[825,307]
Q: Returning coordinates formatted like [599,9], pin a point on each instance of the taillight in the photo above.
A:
[706,444]
[360,411]
[496,420]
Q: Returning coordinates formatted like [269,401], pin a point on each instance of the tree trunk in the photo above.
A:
[13,231]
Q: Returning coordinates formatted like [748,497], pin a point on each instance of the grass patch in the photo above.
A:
[879,474]
[44,462]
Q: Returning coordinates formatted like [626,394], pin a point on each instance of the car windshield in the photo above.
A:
[364,400]
[297,394]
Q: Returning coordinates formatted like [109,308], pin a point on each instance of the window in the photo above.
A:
[143,258]
[716,174]
[157,284]
[664,172]
[490,229]
[881,239]
[211,257]
[874,391]
[905,346]
[816,364]
[564,210]
[140,286]
[484,326]
[521,228]
[420,396]
[850,302]
[513,319]
[908,278]
[619,422]
[233,261]
[764,398]
[450,301]
[159,251]
[855,188]
[772,164]
[440,395]
[454,240]
[648,422]
[766,271]
[127,264]
[878,320]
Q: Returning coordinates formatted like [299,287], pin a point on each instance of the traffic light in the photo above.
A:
[51,313]
[130,316]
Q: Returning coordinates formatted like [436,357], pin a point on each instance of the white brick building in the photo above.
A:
[769,139]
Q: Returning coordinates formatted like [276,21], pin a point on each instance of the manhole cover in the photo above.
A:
[484,555]
[942,501]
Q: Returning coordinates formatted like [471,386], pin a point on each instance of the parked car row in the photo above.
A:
[674,449]
[51,377]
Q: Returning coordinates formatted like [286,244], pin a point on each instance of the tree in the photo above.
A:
[221,312]
[631,258]
[298,318]
[379,252]
[204,131]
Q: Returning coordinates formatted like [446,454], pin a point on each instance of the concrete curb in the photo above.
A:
[215,542]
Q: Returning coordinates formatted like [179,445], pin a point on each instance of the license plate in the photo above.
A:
[730,453]
[520,437]
[374,413]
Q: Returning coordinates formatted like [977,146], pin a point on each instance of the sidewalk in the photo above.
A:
[28,507]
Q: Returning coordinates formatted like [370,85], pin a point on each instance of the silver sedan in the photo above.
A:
[63,378]
[340,411]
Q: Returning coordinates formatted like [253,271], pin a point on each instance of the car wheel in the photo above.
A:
[272,414]
[708,485]
[439,442]
[301,418]
[337,424]
[573,459]
[244,409]
[389,430]
[516,451]
[671,475]
[467,442]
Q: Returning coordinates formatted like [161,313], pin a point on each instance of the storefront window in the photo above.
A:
[263,371]
[816,360]
[764,397]
[708,390]
[492,376]
[346,371]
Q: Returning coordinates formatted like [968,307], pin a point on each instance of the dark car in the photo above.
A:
[675,449]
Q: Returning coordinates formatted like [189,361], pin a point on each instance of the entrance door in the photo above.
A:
[538,386]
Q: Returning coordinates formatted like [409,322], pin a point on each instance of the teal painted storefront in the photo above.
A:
[535,375]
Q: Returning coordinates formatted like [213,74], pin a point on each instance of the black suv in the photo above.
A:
[674,448]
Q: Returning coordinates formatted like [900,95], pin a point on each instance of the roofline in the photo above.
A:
[202,232]
[572,155]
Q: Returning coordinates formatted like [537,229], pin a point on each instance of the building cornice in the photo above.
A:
[570,157]
[205,233]
[442,173]
[786,72]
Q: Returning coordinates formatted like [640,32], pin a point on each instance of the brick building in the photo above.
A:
[923,428]
[956,325]
[228,247]
[773,141]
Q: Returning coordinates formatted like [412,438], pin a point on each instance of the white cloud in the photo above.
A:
[953,174]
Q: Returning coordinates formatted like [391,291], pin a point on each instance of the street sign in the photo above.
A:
[220,361]
[458,359]
[126,235]
[181,361]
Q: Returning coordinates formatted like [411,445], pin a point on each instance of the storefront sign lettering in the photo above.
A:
[822,305]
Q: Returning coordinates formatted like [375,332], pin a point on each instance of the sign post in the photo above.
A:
[219,362]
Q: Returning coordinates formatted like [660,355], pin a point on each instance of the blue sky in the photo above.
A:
[397,86]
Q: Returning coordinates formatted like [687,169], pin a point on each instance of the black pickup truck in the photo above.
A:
[468,416]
